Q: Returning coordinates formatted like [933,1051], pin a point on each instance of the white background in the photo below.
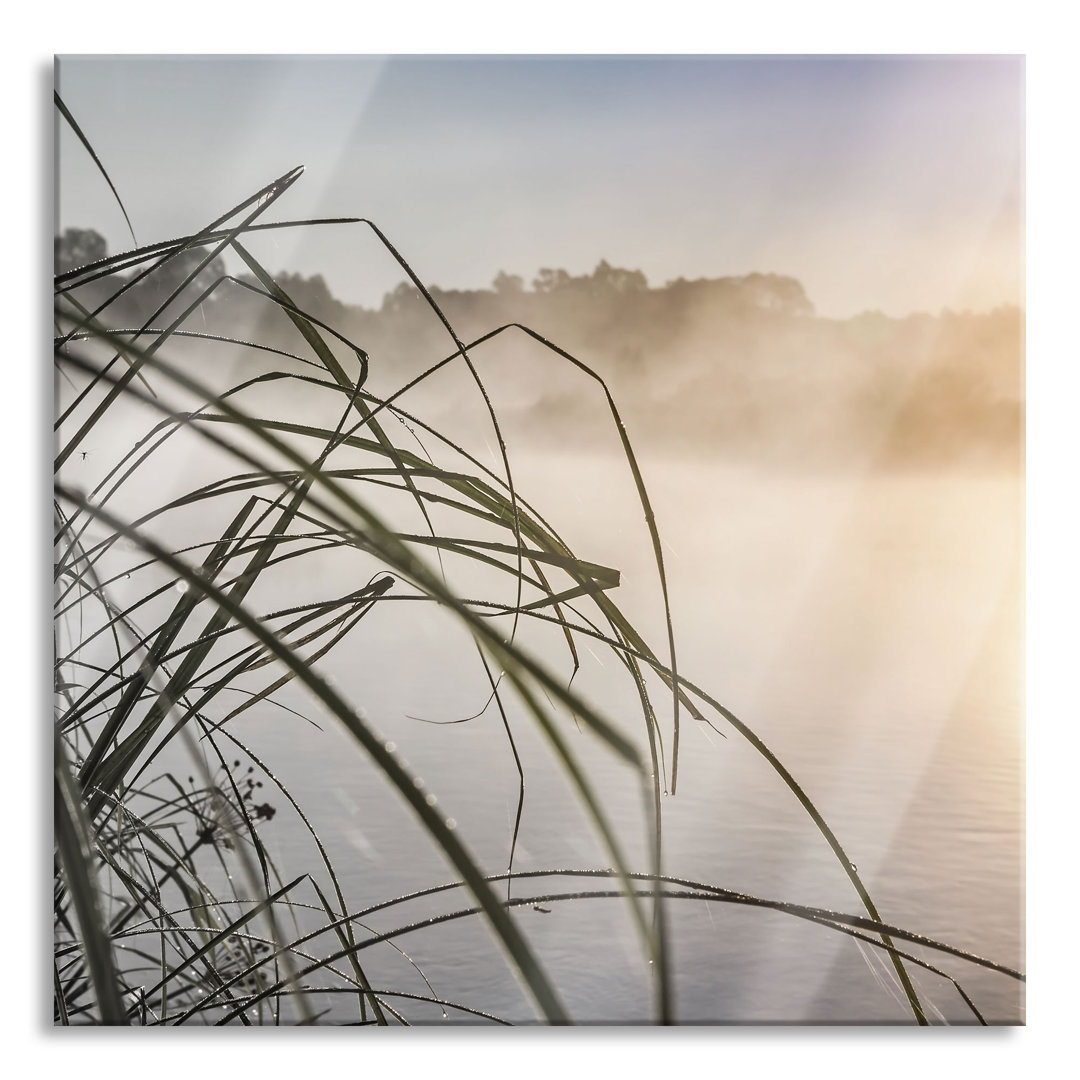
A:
[554,26]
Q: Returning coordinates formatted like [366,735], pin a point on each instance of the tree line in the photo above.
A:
[739,362]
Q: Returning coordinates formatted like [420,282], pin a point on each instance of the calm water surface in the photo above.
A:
[868,626]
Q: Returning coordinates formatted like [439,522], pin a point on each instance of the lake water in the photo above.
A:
[867,626]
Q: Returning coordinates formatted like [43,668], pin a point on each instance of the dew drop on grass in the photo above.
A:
[431,800]
[451,824]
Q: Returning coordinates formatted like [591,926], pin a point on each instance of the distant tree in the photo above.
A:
[772,292]
[508,284]
[77,247]
[549,280]
[604,279]
[172,273]
[150,292]
[617,279]
[403,298]
[312,295]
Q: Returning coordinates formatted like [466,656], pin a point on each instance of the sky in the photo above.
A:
[881,183]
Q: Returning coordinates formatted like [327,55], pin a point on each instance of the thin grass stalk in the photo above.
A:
[76,854]
[88,146]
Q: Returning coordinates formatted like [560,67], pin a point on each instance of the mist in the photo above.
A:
[740,368]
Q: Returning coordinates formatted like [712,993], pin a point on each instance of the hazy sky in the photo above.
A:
[893,183]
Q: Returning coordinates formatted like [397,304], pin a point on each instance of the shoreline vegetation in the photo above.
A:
[168,905]
[737,365]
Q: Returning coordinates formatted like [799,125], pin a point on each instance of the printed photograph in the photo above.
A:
[538,540]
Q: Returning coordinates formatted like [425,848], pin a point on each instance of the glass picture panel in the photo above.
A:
[539,540]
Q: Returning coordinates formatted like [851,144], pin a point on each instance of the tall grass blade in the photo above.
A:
[75,848]
[66,114]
